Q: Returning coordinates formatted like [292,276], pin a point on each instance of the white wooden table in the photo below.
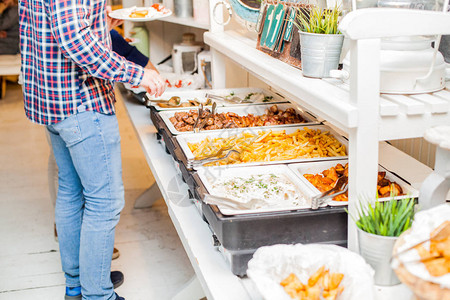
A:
[213,276]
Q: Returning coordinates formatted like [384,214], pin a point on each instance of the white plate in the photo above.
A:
[208,175]
[200,95]
[256,110]
[184,139]
[318,167]
[153,14]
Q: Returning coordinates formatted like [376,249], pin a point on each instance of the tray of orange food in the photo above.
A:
[322,176]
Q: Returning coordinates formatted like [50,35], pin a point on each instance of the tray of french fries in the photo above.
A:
[192,98]
[263,189]
[321,177]
[255,146]
[310,272]
[265,115]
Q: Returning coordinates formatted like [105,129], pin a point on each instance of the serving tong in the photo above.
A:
[191,164]
[197,127]
[234,204]
[217,156]
[324,198]
[232,100]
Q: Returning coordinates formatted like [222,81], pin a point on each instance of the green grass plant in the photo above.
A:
[389,218]
[318,20]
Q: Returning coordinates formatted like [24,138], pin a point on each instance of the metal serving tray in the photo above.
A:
[184,139]
[241,235]
[256,110]
[208,175]
[200,95]
[318,167]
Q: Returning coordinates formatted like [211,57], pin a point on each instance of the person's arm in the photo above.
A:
[151,66]
[71,28]
[123,48]
[9,18]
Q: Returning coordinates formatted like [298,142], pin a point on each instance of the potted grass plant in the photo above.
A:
[379,226]
[320,40]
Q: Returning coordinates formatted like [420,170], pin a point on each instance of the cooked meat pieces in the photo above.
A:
[183,121]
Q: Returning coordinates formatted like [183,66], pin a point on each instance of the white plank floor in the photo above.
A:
[152,257]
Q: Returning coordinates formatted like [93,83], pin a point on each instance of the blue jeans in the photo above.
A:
[90,198]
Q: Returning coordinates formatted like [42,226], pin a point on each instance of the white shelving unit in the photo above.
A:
[164,32]
[358,108]
[330,98]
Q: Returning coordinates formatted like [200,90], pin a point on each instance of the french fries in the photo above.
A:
[272,146]
[321,285]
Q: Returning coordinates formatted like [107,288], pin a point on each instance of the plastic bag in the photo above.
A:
[424,223]
[271,264]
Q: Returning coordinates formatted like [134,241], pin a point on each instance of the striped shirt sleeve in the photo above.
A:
[71,28]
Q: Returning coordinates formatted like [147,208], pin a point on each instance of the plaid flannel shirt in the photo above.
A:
[67,61]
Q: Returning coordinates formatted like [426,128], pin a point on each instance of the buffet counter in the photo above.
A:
[213,275]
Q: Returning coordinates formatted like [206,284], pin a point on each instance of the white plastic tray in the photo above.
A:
[184,139]
[256,110]
[318,167]
[208,175]
[200,95]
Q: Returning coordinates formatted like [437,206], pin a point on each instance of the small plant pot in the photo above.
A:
[377,251]
[320,53]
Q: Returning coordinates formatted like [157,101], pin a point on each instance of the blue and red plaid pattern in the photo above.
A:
[67,59]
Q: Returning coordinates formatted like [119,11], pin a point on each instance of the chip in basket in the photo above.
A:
[314,271]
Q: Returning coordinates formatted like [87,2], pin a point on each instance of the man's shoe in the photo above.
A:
[117,278]
[116,253]
[73,293]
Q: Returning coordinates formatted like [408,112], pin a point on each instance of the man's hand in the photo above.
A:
[112,23]
[3,34]
[153,83]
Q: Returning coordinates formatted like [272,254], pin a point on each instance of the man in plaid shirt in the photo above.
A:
[68,70]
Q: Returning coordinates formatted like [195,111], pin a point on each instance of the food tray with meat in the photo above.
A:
[268,115]
[192,98]
[324,174]
[255,146]
[263,189]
